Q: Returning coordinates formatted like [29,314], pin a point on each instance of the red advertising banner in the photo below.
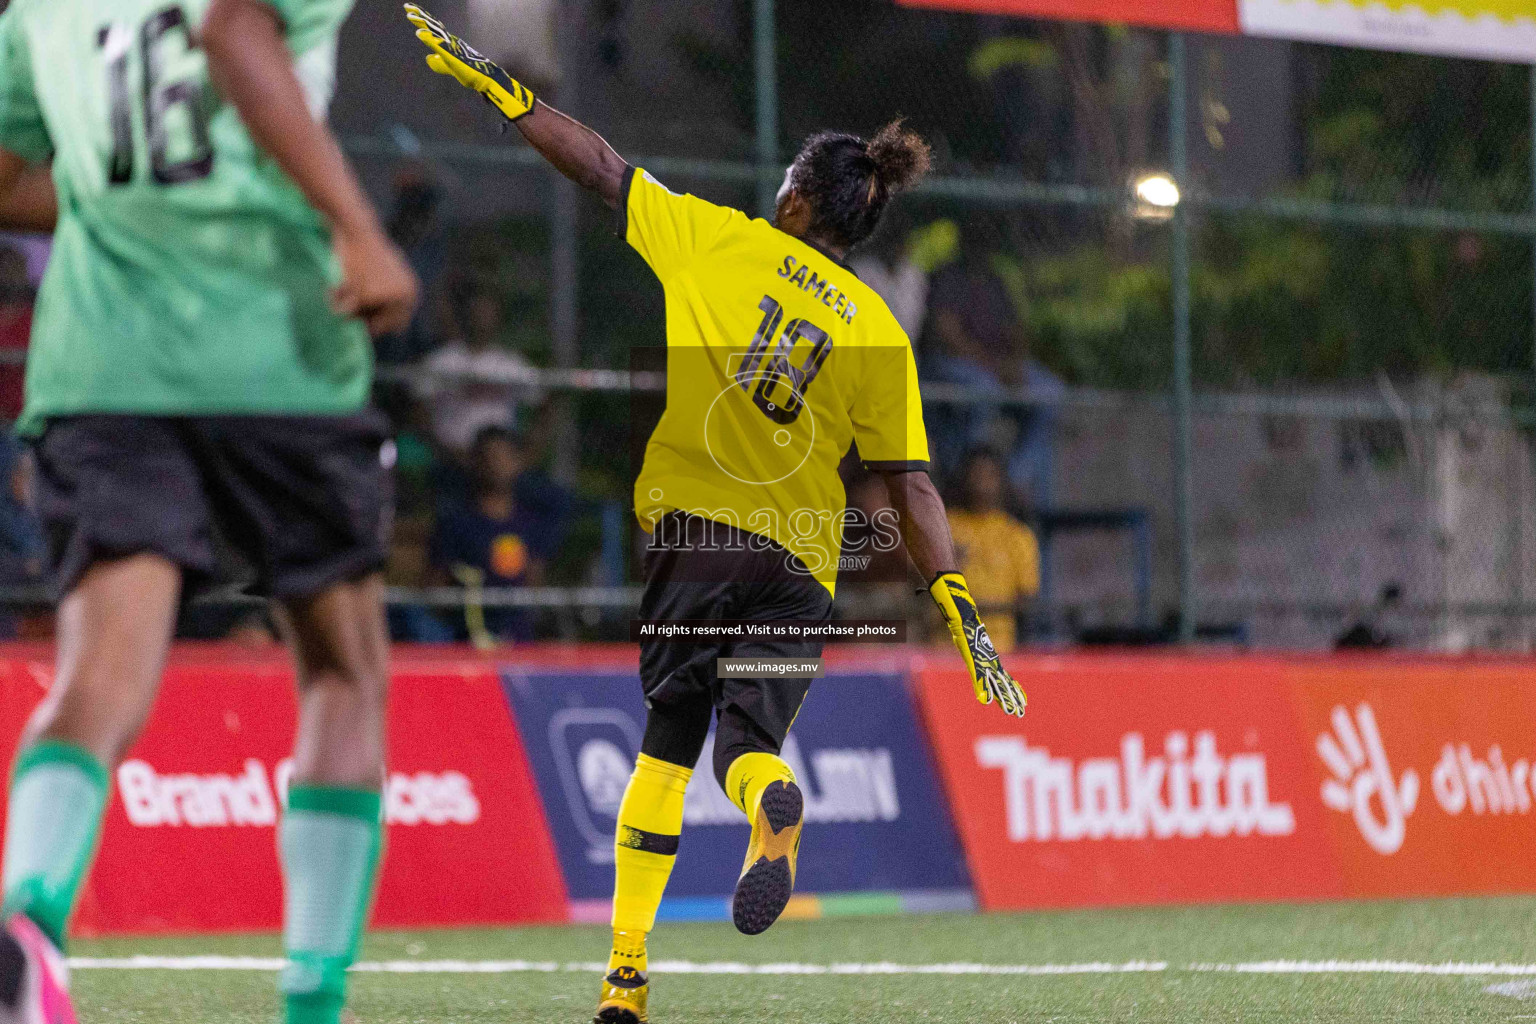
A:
[190,840]
[1424,771]
[1147,779]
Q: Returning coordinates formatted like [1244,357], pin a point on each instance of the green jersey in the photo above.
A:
[189,275]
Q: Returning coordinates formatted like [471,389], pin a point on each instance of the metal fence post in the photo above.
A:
[766,45]
[1520,549]
[1183,387]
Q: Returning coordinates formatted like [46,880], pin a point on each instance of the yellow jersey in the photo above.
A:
[1000,558]
[778,360]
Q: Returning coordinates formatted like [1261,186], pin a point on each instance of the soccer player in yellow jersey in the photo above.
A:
[779,360]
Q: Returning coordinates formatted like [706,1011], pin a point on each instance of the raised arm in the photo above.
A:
[249,62]
[575,150]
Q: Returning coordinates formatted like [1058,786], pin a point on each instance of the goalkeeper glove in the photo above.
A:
[453,56]
[991,680]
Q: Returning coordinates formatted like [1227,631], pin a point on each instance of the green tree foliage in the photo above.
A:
[1277,301]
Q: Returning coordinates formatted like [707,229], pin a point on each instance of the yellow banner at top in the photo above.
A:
[1488,29]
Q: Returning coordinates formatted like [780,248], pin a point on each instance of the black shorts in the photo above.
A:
[699,569]
[287,505]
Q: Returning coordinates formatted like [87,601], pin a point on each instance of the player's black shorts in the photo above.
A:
[699,569]
[287,505]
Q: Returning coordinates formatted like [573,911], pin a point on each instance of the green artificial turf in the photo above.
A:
[1487,930]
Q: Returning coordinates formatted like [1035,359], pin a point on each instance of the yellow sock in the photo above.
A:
[749,775]
[645,848]
[628,951]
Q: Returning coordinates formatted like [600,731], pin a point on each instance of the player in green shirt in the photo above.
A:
[199,369]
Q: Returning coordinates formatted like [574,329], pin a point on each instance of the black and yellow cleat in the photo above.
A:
[625,991]
[768,876]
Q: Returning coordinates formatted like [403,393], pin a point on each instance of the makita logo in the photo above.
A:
[1185,793]
[252,797]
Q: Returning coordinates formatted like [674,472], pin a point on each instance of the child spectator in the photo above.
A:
[998,554]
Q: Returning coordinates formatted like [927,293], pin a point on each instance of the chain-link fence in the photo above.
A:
[1291,410]
[1359,292]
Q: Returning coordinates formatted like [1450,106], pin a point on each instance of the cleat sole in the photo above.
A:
[764,888]
[783,805]
[617,1015]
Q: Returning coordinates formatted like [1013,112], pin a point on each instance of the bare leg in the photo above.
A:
[114,631]
[341,653]
[331,828]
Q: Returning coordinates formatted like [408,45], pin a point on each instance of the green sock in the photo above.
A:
[58,792]
[330,849]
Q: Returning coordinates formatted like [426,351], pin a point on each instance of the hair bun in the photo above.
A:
[900,156]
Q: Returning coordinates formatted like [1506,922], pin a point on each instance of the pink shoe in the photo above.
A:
[33,978]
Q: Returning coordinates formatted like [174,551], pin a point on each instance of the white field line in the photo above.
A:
[250,963]
[1366,967]
[1523,990]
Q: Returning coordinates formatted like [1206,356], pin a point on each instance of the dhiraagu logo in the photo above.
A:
[1362,783]
[1473,780]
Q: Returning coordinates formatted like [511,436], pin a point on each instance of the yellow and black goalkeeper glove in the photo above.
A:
[453,56]
[992,681]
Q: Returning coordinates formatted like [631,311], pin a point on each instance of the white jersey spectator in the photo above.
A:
[474,382]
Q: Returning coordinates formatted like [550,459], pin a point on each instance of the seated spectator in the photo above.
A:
[493,540]
[416,227]
[999,555]
[474,381]
[978,342]
[1367,633]
[22,548]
